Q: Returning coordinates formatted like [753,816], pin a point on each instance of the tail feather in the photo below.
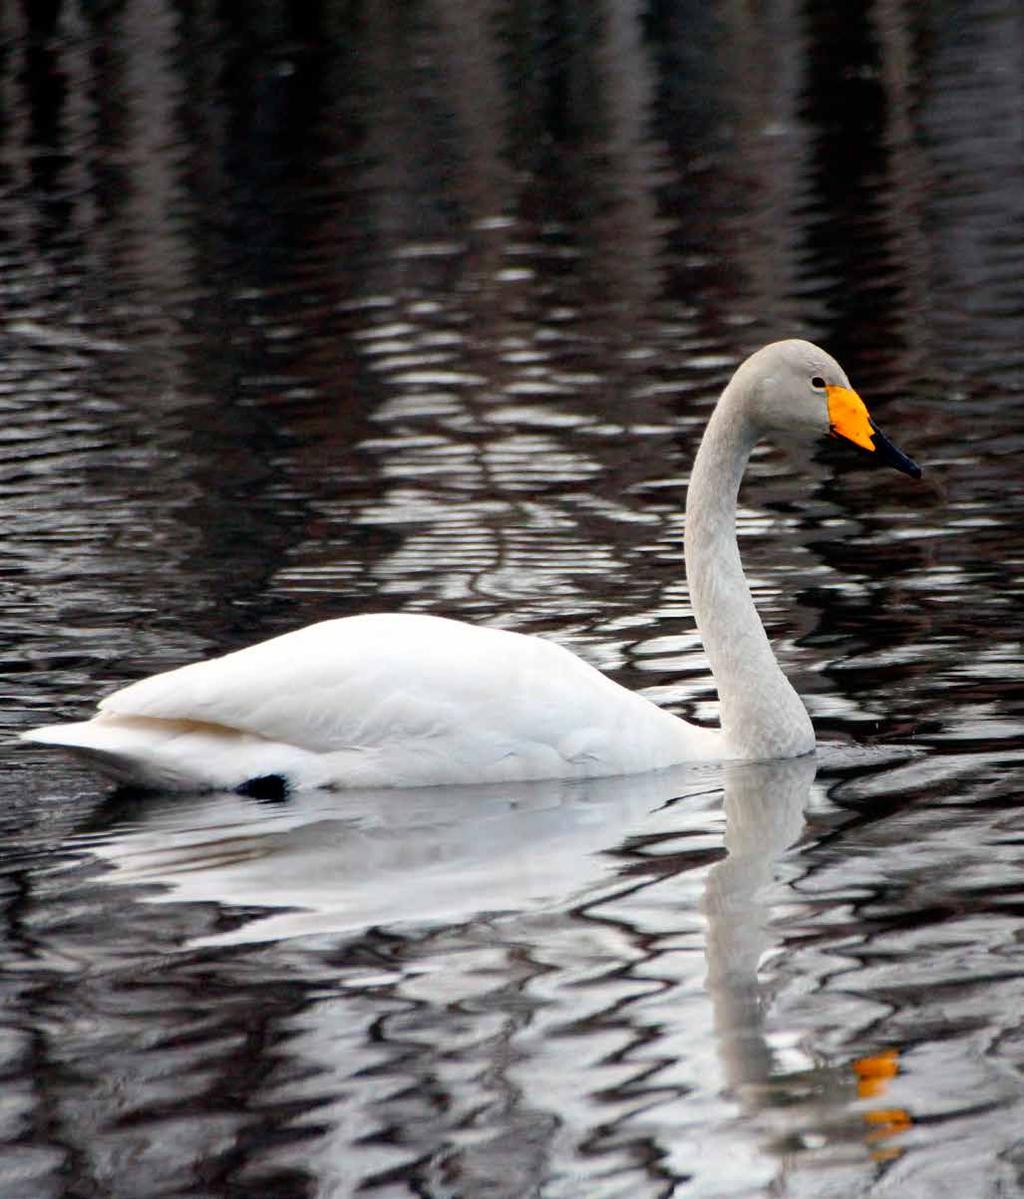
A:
[174,755]
[120,752]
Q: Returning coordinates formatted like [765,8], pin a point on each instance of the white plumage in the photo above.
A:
[399,700]
[380,701]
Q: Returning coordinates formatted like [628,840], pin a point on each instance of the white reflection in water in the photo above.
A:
[536,863]
[345,861]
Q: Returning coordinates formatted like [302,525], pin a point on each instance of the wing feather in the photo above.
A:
[369,681]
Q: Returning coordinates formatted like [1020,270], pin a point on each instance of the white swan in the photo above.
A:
[407,700]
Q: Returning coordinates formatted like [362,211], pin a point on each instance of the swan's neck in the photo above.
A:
[762,716]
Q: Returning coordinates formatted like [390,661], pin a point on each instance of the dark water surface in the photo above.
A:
[324,308]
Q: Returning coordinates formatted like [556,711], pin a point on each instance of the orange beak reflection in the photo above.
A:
[873,1077]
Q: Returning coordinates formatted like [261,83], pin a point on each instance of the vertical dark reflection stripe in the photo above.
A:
[693,107]
[849,274]
[970,114]
[45,91]
[864,270]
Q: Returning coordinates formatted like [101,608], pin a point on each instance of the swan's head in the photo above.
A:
[794,389]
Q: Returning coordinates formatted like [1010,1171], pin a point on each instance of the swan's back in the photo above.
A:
[381,700]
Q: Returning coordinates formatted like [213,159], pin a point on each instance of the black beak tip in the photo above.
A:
[891,456]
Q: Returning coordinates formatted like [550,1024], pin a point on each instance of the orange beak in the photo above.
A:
[849,420]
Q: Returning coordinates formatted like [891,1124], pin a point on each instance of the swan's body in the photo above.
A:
[383,701]
[405,700]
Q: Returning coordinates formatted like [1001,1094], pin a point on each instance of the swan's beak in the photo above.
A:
[849,420]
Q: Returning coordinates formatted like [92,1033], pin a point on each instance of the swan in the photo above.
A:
[405,700]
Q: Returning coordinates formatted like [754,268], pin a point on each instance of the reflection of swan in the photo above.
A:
[794,1096]
[764,811]
[347,861]
[405,700]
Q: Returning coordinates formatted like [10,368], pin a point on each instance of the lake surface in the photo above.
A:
[325,308]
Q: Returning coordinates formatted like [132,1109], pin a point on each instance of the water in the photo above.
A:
[318,309]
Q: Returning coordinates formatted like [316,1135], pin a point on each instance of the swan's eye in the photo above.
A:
[818,382]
